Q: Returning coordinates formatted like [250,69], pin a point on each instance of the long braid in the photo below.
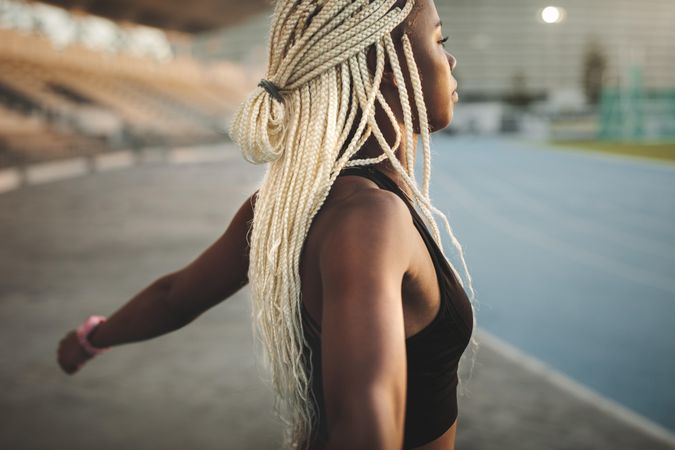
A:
[421,109]
[317,59]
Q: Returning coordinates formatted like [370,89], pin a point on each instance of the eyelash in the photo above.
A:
[442,41]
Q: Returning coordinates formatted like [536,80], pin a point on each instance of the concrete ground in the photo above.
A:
[86,245]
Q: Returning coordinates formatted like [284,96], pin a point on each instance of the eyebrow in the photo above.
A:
[439,24]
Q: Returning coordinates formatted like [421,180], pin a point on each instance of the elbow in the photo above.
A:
[164,282]
[164,287]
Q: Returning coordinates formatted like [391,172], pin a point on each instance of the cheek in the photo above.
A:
[440,104]
[445,76]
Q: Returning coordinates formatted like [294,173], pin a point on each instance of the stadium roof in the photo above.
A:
[191,17]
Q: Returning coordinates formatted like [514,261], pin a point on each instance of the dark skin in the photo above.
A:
[378,279]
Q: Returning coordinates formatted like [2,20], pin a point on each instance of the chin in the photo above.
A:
[440,121]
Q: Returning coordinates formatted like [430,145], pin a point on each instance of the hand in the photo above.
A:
[71,355]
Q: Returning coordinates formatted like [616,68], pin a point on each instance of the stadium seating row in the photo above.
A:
[57,103]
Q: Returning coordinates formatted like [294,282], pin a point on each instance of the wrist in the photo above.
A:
[93,338]
[85,330]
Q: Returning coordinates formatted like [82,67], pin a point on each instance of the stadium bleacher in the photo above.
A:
[58,103]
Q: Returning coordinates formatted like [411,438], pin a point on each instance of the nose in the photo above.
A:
[453,61]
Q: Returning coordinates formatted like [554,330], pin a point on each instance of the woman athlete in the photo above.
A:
[361,317]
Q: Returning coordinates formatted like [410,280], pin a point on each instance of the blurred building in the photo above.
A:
[91,75]
[73,84]
[510,58]
[500,44]
[507,51]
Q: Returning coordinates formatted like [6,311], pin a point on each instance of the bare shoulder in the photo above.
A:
[371,226]
[379,209]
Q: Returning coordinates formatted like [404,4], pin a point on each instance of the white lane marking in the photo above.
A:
[578,223]
[631,160]
[496,146]
[535,182]
[599,158]
[38,173]
[576,389]
[56,170]
[506,225]
[151,155]
[113,160]
[190,155]
[9,179]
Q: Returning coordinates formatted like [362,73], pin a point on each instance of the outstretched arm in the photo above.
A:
[176,299]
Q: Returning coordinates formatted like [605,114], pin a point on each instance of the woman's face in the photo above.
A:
[434,65]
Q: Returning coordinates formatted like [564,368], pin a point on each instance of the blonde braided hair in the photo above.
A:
[299,120]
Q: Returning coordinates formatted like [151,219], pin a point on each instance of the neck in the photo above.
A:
[371,149]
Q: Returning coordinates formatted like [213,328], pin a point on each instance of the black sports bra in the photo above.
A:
[432,354]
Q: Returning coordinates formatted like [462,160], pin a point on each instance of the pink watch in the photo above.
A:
[84,330]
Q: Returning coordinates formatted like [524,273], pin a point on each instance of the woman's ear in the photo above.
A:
[388,77]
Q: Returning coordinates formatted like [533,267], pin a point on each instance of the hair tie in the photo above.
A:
[272,89]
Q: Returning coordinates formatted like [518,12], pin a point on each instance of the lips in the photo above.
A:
[455,95]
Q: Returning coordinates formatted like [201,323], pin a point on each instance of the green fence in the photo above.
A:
[631,113]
